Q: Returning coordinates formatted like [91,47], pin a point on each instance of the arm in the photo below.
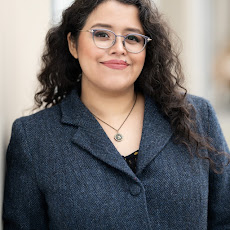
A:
[219,185]
[24,205]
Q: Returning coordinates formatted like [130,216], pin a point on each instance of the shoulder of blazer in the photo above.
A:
[204,111]
[207,122]
[44,114]
[69,113]
[199,103]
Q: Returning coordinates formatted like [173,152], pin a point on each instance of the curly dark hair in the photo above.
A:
[161,77]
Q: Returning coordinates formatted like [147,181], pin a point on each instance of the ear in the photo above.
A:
[72,46]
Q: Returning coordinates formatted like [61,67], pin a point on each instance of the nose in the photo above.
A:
[119,46]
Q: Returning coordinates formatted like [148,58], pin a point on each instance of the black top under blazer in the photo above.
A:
[63,172]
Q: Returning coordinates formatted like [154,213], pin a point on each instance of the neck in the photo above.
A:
[109,105]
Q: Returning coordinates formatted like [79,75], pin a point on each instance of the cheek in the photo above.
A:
[140,60]
[84,48]
[87,52]
[143,55]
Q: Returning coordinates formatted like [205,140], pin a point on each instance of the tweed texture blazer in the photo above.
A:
[63,172]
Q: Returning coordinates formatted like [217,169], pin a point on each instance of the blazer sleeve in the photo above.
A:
[219,190]
[24,205]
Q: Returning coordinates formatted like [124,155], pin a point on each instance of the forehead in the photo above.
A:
[115,14]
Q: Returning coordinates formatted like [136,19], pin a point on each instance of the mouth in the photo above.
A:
[116,64]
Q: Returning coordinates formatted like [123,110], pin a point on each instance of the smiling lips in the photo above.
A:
[116,64]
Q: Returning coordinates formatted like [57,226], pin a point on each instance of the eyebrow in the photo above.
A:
[130,29]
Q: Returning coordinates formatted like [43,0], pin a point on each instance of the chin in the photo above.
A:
[117,83]
[116,88]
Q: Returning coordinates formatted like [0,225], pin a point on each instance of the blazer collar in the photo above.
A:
[156,133]
[90,135]
[74,112]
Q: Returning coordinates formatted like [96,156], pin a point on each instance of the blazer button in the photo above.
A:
[135,189]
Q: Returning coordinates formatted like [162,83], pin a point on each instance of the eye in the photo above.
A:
[101,34]
[133,38]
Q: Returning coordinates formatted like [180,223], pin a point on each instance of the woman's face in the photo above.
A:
[98,73]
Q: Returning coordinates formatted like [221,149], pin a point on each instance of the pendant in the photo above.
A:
[118,137]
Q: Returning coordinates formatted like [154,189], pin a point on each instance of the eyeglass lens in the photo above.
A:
[105,39]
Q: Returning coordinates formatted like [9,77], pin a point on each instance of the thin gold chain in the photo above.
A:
[123,121]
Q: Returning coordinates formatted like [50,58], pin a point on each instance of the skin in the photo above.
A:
[108,92]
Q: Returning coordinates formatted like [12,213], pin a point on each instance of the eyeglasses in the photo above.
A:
[104,39]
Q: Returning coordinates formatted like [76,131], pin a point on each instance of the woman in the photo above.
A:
[121,146]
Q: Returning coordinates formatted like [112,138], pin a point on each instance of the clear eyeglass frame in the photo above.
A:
[93,31]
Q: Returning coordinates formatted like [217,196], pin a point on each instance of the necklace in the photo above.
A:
[118,136]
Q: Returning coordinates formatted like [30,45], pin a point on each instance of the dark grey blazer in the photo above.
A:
[64,173]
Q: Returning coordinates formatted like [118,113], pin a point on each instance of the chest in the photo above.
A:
[131,136]
[131,131]
[170,188]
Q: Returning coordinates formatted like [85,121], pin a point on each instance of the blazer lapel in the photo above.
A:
[89,134]
[156,133]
